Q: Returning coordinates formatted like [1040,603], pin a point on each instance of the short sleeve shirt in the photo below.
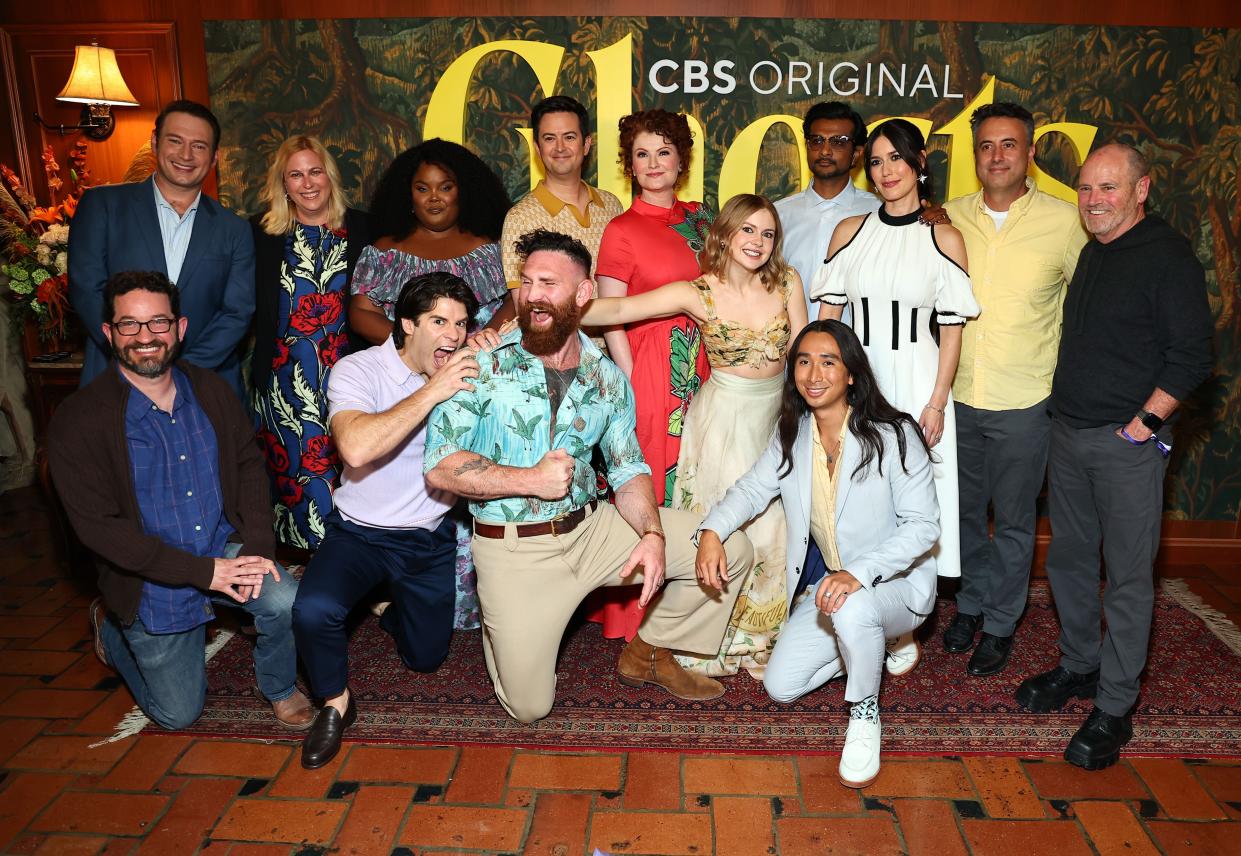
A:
[542,209]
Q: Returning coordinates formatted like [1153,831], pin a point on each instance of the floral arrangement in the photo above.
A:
[34,242]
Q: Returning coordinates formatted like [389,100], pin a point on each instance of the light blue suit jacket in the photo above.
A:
[885,524]
[116,228]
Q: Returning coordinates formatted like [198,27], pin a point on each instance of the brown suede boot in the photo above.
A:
[641,663]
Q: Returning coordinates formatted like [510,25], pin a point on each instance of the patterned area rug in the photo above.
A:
[1190,705]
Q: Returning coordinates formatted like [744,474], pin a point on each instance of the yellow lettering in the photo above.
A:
[695,180]
[1081,137]
[613,101]
[962,177]
[738,173]
[446,110]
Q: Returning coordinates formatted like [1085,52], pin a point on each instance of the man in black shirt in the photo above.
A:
[1136,341]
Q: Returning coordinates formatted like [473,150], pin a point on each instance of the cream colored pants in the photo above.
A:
[528,589]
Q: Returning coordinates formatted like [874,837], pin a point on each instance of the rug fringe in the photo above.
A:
[1216,621]
[135,720]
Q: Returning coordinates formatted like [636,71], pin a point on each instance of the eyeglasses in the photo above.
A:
[839,141]
[129,327]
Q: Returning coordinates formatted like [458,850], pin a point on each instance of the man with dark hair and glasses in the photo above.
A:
[156,464]
[835,135]
[386,526]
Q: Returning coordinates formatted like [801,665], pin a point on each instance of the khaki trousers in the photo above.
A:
[528,589]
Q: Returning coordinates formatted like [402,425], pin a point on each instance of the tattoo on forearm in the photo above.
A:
[478,465]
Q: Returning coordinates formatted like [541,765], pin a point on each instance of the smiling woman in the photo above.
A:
[306,243]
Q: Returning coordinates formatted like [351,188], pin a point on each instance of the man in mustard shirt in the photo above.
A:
[1022,245]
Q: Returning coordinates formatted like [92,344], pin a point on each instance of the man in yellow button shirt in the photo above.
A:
[1022,245]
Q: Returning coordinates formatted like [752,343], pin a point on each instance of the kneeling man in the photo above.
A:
[519,446]
[160,476]
[386,526]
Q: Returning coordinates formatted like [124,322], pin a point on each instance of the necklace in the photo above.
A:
[831,456]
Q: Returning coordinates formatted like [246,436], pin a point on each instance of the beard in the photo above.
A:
[541,342]
[147,365]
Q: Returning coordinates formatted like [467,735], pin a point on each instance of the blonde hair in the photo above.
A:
[281,212]
[715,257]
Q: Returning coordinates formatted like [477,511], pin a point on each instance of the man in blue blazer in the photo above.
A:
[166,224]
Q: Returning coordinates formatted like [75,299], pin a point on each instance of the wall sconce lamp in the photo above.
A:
[95,83]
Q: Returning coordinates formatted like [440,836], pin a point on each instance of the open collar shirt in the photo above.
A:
[174,230]
[507,418]
[1019,274]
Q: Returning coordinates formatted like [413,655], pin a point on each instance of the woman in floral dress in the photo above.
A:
[744,278]
[306,244]
[438,207]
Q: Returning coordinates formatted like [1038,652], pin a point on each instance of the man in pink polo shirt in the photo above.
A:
[386,525]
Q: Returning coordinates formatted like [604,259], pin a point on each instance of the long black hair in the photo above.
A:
[481,197]
[909,144]
[871,410]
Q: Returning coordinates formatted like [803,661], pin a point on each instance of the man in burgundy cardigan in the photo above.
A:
[159,473]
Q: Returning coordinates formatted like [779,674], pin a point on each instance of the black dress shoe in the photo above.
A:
[960,633]
[1097,743]
[323,740]
[991,655]
[1052,690]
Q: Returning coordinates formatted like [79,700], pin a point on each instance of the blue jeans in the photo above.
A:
[167,673]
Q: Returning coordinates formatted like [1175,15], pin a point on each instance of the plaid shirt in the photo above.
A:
[173,458]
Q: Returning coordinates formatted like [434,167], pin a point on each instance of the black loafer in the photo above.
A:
[960,633]
[991,655]
[323,740]
[1098,742]
[1052,690]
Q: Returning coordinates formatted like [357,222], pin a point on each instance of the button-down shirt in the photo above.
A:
[173,458]
[823,494]
[389,492]
[1019,274]
[508,419]
[174,230]
[808,221]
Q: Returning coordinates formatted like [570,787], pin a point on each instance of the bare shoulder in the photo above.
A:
[950,242]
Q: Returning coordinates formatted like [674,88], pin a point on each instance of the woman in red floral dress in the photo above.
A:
[306,244]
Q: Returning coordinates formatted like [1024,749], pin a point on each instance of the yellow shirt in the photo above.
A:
[542,209]
[823,496]
[1019,276]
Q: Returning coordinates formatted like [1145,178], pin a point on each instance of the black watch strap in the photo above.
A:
[1150,420]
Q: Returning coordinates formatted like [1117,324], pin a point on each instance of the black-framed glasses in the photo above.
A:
[837,141]
[130,327]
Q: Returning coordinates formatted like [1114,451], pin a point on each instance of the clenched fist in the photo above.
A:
[555,474]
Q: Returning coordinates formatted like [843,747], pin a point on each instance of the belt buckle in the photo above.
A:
[552,523]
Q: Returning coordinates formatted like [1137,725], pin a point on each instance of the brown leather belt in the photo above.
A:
[562,525]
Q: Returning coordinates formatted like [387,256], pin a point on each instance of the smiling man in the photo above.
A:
[518,445]
[1022,246]
[387,525]
[562,202]
[166,224]
[1136,343]
[159,474]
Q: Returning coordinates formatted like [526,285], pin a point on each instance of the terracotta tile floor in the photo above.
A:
[161,794]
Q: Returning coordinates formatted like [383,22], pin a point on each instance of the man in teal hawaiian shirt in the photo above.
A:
[541,541]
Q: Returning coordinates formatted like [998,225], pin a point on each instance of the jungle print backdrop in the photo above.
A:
[370,88]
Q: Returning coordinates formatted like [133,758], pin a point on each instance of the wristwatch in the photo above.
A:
[1150,420]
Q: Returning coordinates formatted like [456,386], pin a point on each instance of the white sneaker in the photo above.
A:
[859,760]
[902,655]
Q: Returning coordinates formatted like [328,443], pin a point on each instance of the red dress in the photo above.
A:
[647,247]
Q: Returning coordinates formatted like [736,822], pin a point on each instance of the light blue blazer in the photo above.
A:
[885,524]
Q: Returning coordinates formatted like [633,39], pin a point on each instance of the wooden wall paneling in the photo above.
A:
[38,59]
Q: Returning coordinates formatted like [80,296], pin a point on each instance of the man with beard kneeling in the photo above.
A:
[519,445]
[160,476]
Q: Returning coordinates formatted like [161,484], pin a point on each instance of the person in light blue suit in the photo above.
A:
[854,474]
[166,224]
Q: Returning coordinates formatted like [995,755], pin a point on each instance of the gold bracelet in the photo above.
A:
[654,530]
[938,410]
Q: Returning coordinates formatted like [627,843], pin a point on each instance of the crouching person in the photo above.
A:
[387,526]
[854,475]
[156,465]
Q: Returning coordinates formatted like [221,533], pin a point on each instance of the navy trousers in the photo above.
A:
[419,566]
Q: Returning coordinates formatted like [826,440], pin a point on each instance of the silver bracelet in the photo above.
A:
[930,406]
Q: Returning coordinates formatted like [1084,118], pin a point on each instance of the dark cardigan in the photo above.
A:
[90,465]
[268,254]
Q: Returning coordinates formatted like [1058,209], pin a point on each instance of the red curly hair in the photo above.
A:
[673,127]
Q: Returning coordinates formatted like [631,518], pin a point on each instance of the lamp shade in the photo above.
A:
[96,79]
